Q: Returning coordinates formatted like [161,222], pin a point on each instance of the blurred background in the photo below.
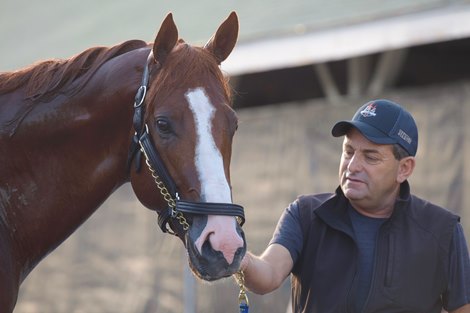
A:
[298,67]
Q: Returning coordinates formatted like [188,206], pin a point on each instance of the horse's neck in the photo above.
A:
[68,158]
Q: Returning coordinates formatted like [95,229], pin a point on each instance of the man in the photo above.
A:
[371,246]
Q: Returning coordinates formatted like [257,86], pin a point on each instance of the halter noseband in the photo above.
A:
[142,143]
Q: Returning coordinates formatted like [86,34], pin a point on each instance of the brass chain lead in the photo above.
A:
[166,195]
[242,297]
[239,276]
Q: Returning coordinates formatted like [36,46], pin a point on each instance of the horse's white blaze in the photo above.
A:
[220,230]
[209,163]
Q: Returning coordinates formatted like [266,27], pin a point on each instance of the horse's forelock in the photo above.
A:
[187,66]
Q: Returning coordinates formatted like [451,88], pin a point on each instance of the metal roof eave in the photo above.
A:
[444,24]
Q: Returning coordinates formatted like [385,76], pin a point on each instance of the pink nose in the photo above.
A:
[222,235]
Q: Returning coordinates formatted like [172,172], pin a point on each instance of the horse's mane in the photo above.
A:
[45,80]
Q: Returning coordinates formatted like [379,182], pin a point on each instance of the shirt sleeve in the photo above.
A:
[458,291]
[288,231]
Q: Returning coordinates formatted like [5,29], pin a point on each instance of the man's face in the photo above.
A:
[369,174]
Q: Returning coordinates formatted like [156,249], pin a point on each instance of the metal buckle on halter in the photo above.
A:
[174,212]
[140,96]
[146,130]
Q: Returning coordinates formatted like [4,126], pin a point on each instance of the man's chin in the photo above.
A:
[353,194]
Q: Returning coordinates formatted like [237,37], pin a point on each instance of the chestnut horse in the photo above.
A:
[72,132]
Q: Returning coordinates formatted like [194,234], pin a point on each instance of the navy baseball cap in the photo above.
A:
[383,122]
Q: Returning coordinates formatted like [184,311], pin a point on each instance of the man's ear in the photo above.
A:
[405,168]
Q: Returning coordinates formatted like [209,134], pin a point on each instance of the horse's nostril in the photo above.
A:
[207,241]
[218,238]
[206,247]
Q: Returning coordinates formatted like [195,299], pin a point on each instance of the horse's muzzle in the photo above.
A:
[209,262]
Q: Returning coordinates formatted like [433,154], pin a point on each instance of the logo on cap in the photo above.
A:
[369,110]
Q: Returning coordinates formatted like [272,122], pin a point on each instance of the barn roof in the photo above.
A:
[365,32]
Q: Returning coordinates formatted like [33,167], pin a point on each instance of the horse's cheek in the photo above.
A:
[146,190]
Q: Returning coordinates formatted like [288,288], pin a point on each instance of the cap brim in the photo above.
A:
[373,134]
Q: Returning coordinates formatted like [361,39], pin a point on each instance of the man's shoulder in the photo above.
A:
[431,218]
[307,208]
[424,209]
[313,201]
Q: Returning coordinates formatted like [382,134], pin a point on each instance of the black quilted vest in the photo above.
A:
[411,257]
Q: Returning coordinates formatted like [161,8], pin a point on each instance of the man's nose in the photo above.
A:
[355,163]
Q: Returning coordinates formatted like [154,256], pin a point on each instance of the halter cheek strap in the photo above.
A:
[142,144]
[138,118]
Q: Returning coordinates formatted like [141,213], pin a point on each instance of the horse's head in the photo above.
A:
[190,123]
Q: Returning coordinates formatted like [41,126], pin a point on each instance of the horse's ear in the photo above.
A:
[222,42]
[166,39]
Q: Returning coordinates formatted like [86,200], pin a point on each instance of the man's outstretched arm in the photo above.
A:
[267,272]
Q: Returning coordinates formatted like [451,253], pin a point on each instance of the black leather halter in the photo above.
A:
[142,143]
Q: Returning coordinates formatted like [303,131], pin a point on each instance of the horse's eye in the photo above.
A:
[163,126]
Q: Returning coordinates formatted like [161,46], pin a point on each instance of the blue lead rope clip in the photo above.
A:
[243,300]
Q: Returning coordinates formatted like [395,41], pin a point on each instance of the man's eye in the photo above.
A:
[372,159]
